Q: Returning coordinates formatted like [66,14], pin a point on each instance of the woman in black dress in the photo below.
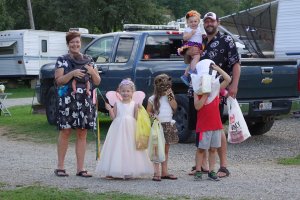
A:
[75,110]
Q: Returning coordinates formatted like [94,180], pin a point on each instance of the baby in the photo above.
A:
[80,63]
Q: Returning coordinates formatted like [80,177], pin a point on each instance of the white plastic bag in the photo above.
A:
[237,128]
[201,84]
[197,83]
[202,81]
[156,146]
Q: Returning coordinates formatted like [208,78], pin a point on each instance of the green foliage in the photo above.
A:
[102,16]
[290,161]
[6,21]
[18,12]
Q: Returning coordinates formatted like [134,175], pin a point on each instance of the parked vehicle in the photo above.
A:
[23,52]
[287,43]
[264,91]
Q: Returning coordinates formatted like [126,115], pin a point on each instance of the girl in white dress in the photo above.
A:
[119,157]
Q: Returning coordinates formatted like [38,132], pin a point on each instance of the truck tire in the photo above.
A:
[51,106]
[181,118]
[260,128]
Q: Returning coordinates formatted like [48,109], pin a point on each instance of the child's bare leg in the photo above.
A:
[164,165]
[156,176]
[88,87]
[204,166]
[199,158]
[212,158]
[187,69]
[195,60]
[204,162]
[74,86]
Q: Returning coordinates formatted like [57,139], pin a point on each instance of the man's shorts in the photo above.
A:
[209,139]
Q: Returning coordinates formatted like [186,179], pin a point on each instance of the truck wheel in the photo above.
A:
[260,128]
[51,106]
[181,117]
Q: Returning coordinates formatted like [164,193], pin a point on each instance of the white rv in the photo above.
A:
[23,52]
[287,42]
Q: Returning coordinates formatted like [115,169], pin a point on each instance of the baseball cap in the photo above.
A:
[210,15]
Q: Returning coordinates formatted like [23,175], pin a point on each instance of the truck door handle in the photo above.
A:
[149,81]
[100,70]
[267,70]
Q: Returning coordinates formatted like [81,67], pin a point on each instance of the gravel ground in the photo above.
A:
[254,172]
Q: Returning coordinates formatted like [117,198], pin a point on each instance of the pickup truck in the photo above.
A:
[267,87]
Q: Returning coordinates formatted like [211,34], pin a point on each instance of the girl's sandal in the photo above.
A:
[60,172]
[156,178]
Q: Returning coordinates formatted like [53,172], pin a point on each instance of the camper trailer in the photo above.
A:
[287,43]
[23,52]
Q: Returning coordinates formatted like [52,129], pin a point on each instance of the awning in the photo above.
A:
[255,27]
[7,43]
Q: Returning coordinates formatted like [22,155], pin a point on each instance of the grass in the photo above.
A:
[2,185]
[47,193]
[20,92]
[24,125]
[290,161]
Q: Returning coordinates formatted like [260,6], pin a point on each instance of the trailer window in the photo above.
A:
[162,47]
[101,50]
[44,46]
[7,48]
[124,50]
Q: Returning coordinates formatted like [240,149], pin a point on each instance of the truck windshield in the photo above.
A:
[162,47]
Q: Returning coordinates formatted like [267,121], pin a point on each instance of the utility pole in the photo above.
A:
[30,14]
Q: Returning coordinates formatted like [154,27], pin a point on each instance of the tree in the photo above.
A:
[6,22]
[102,16]
[18,12]
[246,4]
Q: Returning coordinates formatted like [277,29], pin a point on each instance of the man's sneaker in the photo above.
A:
[198,176]
[213,176]
[185,80]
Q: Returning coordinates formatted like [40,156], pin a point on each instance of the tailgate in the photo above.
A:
[268,79]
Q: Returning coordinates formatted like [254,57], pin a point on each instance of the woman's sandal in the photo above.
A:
[84,174]
[156,178]
[223,170]
[170,177]
[60,172]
